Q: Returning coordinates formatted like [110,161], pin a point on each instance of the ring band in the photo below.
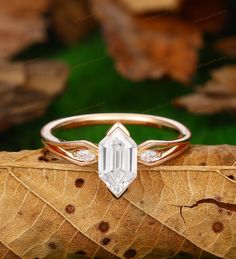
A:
[117,154]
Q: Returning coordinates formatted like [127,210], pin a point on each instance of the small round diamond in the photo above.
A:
[84,155]
[149,156]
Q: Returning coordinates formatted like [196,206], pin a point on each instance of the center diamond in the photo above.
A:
[117,160]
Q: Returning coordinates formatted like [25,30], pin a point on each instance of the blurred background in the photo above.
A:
[169,58]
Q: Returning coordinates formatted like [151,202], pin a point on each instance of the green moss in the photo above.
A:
[95,86]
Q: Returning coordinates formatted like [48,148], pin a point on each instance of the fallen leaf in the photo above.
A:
[27,89]
[210,15]
[71,20]
[140,6]
[217,95]
[186,207]
[149,46]
[24,7]
[21,24]
[204,104]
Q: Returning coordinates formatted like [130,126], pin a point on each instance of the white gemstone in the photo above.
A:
[149,156]
[84,155]
[117,161]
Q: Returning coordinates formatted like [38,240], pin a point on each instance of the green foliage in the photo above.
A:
[95,86]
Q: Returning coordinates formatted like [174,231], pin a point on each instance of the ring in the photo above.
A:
[117,154]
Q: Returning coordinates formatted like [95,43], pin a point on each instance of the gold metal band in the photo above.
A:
[60,148]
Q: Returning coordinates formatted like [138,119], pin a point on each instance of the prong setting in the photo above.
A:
[150,156]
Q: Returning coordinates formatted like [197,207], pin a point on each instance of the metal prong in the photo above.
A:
[118,125]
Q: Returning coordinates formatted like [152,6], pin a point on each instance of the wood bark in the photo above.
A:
[185,208]
[26,89]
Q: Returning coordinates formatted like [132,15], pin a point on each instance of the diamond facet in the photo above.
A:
[149,156]
[117,161]
[84,155]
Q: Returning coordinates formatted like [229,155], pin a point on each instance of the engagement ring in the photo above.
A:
[117,154]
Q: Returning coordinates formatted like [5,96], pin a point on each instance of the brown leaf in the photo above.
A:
[186,207]
[27,88]
[71,20]
[149,46]
[140,6]
[24,7]
[209,15]
[217,95]
[223,82]
[227,46]
[204,104]
[46,76]
[21,24]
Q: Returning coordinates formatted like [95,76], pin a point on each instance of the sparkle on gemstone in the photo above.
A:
[84,155]
[117,161]
[149,156]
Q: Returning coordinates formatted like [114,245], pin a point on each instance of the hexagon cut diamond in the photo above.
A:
[117,160]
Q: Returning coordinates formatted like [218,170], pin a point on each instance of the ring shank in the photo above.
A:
[111,118]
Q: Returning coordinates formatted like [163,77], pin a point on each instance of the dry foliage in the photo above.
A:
[26,89]
[24,8]
[208,15]
[71,20]
[21,24]
[217,95]
[153,39]
[149,46]
[140,6]
[186,207]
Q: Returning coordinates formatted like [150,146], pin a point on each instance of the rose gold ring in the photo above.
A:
[117,154]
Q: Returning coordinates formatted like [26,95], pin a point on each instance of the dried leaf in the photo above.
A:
[71,20]
[27,88]
[217,95]
[227,46]
[21,24]
[209,15]
[24,7]
[186,207]
[204,104]
[140,6]
[150,46]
